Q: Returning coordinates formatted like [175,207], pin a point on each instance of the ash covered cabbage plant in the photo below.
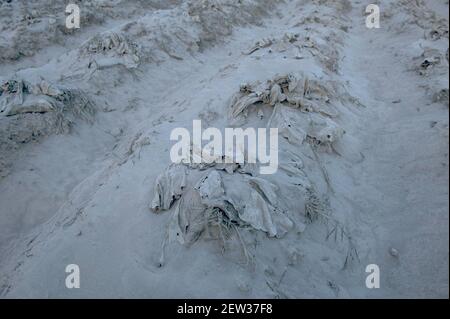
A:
[218,205]
[109,49]
[29,112]
[302,109]
[21,97]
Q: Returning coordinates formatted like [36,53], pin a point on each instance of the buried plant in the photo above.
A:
[29,112]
